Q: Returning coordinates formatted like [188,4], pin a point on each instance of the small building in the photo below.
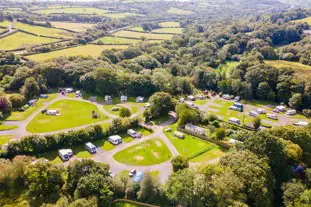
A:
[123,98]
[233,120]
[301,123]
[191,98]
[107,98]
[69,90]
[291,112]
[195,129]
[52,112]
[65,154]
[90,147]
[44,96]
[281,108]
[115,139]
[140,99]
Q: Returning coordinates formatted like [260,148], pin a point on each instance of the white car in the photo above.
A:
[234,108]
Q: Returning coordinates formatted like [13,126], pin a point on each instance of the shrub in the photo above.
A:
[17,100]
[5,105]
[124,112]
[211,117]
[220,134]
[307,113]
[215,123]
[179,163]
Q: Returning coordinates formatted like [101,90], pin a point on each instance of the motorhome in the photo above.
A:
[90,147]
[281,108]
[234,121]
[291,112]
[140,99]
[191,98]
[52,112]
[69,90]
[253,113]
[260,111]
[134,133]
[234,108]
[240,106]
[123,98]
[226,96]
[179,135]
[272,116]
[301,123]
[115,139]
[65,154]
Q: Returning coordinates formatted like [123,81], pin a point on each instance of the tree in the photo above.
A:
[179,163]
[149,189]
[17,100]
[124,112]
[5,105]
[263,91]
[30,88]
[292,191]
[220,134]
[160,104]
[295,101]
[256,122]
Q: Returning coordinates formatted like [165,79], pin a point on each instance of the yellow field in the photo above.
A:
[307,19]
[117,40]
[85,50]
[169,24]
[168,30]
[120,15]
[301,70]
[20,39]
[77,27]
[52,32]
[138,35]
[76,10]
[174,10]
[5,24]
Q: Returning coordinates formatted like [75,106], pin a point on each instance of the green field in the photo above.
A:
[301,70]
[21,40]
[75,10]
[169,24]
[307,20]
[139,35]
[168,30]
[188,146]
[137,29]
[73,114]
[18,116]
[224,69]
[117,40]
[85,50]
[7,127]
[77,27]
[150,152]
[5,24]
[174,10]
[116,15]
[210,155]
[4,139]
[104,145]
[51,32]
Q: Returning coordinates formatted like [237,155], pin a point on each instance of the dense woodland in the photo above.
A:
[268,168]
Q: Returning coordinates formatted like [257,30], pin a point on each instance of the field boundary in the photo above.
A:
[25,55]
[134,202]
[164,33]
[133,38]
[8,34]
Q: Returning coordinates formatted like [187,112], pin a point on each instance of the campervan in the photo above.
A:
[253,113]
[226,96]
[134,133]
[65,154]
[260,111]
[90,147]
[239,105]
[234,108]
[179,135]
[272,116]
[115,139]
[69,90]
[291,112]
[52,112]
[234,121]
[301,123]
[281,108]
[140,99]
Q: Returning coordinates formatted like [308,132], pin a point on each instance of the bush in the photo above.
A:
[179,163]
[17,100]
[5,105]
[307,113]
[215,123]
[124,112]
[211,117]
[220,134]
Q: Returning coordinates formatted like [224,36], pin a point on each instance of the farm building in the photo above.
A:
[195,129]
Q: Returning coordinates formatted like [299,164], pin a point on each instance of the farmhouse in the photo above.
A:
[52,112]
[195,129]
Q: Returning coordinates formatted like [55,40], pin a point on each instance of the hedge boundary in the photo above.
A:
[134,202]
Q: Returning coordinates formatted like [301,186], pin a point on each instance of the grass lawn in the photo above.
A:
[108,108]
[84,50]
[20,40]
[51,156]
[137,29]
[174,10]
[81,152]
[138,35]
[134,109]
[7,127]
[77,27]
[4,139]
[149,152]
[117,40]
[104,144]
[200,102]
[224,69]
[187,146]
[17,115]
[169,24]
[168,30]
[51,32]
[301,70]
[160,120]
[73,113]
[212,154]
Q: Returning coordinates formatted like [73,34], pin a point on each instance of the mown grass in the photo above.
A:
[21,40]
[104,144]
[174,10]
[18,116]
[5,23]
[139,35]
[117,40]
[73,113]
[51,32]
[137,29]
[149,152]
[77,27]
[169,24]
[7,127]
[301,70]
[189,145]
[5,139]
[85,50]
[168,30]
[212,154]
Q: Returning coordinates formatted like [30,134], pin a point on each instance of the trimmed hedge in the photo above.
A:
[201,152]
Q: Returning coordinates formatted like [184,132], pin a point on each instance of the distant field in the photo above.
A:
[5,24]
[2,29]
[138,35]
[307,19]
[52,32]
[20,39]
[85,50]
[174,10]
[120,15]
[138,29]
[169,24]
[300,69]
[77,27]
[117,40]
[168,30]
[75,10]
